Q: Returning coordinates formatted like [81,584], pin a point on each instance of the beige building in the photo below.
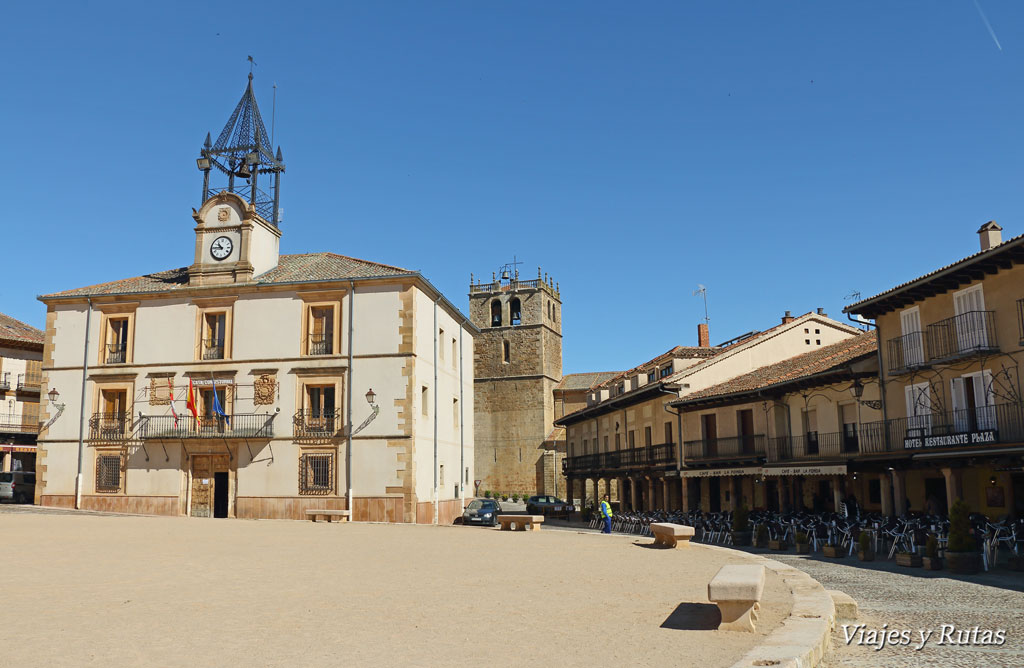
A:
[951,348]
[21,356]
[319,380]
[627,440]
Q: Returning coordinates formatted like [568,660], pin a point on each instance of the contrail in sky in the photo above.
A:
[988,25]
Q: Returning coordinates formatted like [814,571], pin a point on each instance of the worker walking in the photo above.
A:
[606,513]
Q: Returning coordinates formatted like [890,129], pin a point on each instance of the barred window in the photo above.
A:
[108,473]
[316,474]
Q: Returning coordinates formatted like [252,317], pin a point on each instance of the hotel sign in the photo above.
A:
[969,438]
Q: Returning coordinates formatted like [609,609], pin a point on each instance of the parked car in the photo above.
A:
[19,486]
[548,505]
[482,511]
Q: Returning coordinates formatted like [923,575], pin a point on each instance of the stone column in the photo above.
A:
[649,504]
[664,494]
[633,496]
[899,492]
[734,492]
[954,486]
[886,485]
[684,494]
[780,487]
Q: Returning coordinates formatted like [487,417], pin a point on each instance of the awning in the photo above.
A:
[837,469]
[714,473]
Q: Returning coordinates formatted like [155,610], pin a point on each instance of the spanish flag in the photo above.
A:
[191,403]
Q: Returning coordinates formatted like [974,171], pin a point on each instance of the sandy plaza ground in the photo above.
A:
[132,591]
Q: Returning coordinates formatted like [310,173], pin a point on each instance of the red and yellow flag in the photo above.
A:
[191,403]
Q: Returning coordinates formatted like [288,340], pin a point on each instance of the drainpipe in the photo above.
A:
[435,413]
[81,409]
[462,429]
[679,433]
[348,400]
[881,384]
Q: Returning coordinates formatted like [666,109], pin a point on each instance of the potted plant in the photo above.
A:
[487,494]
[833,550]
[761,536]
[515,497]
[961,551]
[865,552]
[932,561]
[803,543]
[741,533]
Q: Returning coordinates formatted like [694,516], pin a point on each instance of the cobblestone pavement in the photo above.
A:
[914,599]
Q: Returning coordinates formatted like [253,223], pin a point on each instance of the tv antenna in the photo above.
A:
[703,292]
[855,295]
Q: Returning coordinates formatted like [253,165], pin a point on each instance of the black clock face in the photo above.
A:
[221,248]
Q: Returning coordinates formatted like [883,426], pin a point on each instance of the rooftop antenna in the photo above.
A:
[703,292]
[855,295]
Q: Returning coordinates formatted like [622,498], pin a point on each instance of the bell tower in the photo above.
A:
[517,363]
[237,225]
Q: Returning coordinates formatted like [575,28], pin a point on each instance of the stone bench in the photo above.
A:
[521,522]
[737,591]
[329,515]
[671,535]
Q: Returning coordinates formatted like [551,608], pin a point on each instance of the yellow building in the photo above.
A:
[951,347]
[21,355]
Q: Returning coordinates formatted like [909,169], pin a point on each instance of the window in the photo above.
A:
[621,389]
[618,441]
[117,340]
[606,444]
[817,331]
[320,415]
[209,419]
[425,400]
[214,335]
[455,352]
[316,474]
[652,375]
[912,339]
[496,313]
[515,311]
[919,409]
[108,473]
[632,438]
[585,445]
[506,352]
[455,413]
[667,371]
[817,342]
[440,345]
[321,331]
[114,417]
[668,432]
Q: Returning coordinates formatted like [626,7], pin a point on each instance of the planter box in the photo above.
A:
[868,555]
[759,543]
[909,560]
[742,538]
[833,551]
[777,545]
[932,563]
[803,548]
[963,563]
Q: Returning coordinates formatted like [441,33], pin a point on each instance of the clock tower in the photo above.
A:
[238,231]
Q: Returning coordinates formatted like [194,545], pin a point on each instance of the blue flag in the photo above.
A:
[217,410]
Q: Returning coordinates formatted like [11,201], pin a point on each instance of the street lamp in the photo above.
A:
[54,395]
[370,396]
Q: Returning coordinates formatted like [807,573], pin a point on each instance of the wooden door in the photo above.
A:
[913,343]
[202,486]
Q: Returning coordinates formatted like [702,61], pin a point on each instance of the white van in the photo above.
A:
[18,486]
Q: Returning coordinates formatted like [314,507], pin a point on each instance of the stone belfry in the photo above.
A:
[517,363]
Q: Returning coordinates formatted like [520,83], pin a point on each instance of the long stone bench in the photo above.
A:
[329,515]
[671,535]
[520,522]
[737,589]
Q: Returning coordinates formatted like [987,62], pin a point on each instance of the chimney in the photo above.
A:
[822,313]
[788,317]
[991,235]
[703,335]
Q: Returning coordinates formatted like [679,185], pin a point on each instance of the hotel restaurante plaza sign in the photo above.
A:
[981,437]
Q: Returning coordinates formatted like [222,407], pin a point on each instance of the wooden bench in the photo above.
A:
[671,535]
[736,590]
[521,522]
[329,515]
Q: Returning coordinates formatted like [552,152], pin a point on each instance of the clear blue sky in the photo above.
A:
[784,154]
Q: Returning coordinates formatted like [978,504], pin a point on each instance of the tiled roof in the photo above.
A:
[557,434]
[809,364]
[959,264]
[290,269]
[16,330]
[584,381]
[686,352]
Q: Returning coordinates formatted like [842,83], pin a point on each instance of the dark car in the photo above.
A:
[548,505]
[481,511]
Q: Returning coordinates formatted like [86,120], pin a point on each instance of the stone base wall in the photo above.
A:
[136,505]
[447,512]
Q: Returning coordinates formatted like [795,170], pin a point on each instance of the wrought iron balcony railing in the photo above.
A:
[5,382]
[906,352]
[12,423]
[623,461]
[964,334]
[213,349]
[117,353]
[316,424]
[110,427]
[732,447]
[29,382]
[239,425]
[320,344]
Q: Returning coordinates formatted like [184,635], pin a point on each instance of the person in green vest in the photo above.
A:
[606,514]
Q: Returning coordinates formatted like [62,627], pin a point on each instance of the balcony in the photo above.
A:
[732,447]
[813,445]
[320,344]
[110,427]
[962,335]
[29,382]
[630,460]
[117,353]
[906,353]
[12,423]
[239,425]
[213,349]
[315,424]
[5,382]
